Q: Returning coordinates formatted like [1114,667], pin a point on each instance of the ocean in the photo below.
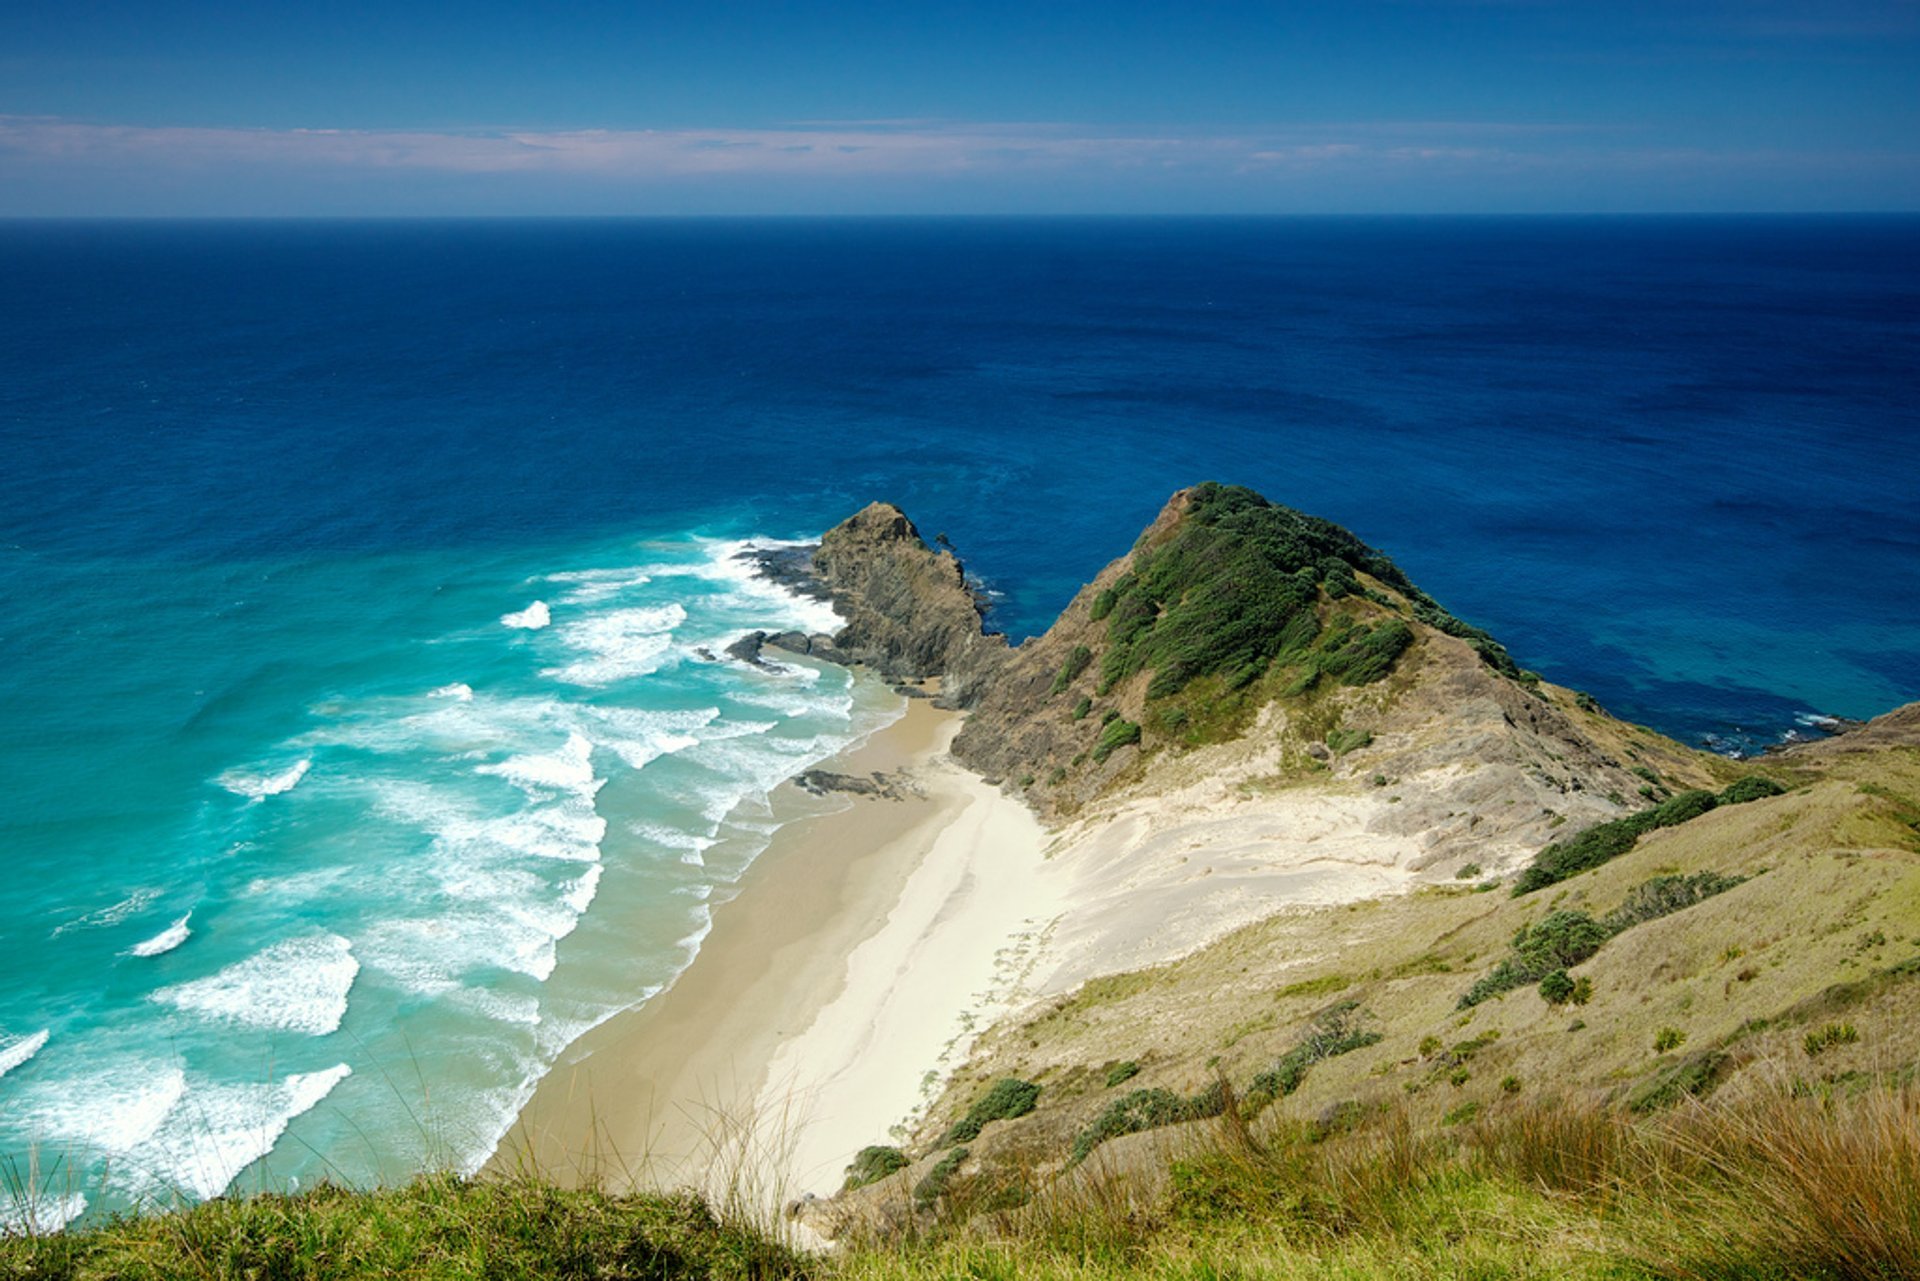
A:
[358,579]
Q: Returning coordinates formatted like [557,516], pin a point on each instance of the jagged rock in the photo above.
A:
[892,787]
[747,649]
[910,611]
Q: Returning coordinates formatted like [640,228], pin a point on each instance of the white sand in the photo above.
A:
[948,960]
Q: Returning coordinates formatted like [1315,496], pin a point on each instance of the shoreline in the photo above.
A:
[860,951]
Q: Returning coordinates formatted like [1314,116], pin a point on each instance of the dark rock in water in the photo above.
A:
[747,649]
[892,787]
[792,642]
[791,567]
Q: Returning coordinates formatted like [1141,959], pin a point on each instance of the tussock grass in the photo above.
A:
[1775,1185]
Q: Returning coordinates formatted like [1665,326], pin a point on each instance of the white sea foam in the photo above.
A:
[532,618]
[619,645]
[112,1109]
[166,940]
[111,915]
[579,893]
[258,784]
[594,586]
[299,985]
[457,691]
[25,1212]
[219,1130]
[18,1050]
[570,769]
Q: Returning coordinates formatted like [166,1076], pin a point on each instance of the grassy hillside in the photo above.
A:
[1760,958]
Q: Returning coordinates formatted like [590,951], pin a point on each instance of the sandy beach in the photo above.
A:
[862,949]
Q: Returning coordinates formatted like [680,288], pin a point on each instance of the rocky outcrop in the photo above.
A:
[911,614]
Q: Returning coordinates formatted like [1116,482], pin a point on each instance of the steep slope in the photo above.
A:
[1770,943]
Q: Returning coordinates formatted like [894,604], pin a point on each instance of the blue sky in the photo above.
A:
[1390,106]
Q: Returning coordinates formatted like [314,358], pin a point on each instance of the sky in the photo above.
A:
[337,107]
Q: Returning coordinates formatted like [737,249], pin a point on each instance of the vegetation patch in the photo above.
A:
[1692,1077]
[938,1180]
[1827,1037]
[1608,841]
[1562,939]
[1077,662]
[1234,588]
[1005,1099]
[1147,1110]
[1343,741]
[1121,1073]
[873,1164]
[1119,733]
[1338,1029]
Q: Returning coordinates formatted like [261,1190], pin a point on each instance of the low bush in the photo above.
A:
[1607,841]
[1146,1110]
[1119,733]
[1822,1039]
[1004,1100]
[934,1186]
[873,1164]
[1561,939]
[1338,1029]
[1120,1073]
[1077,662]
[1342,741]
[1665,895]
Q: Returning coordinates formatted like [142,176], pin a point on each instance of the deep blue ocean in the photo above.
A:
[359,748]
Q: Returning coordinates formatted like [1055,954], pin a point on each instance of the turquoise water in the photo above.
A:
[319,849]
[395,862]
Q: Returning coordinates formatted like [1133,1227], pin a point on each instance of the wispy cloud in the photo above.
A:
[50,165]
[826,149]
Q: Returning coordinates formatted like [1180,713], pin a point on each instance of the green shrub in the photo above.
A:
[874,1164]
[1665,895]
[1557,988]
[1607,841]
[1026,781]
[1120,1073]
[1343,741]
[1005,1099]
[1146,1110]
[1560,940]
[1462,1114]
[1821,1040]
[1077,662]
[1467,872]
[1081,708]
[934,1186]
[1103,604]
[1118,734]
[1668,1038]
[1751,788]
[1334,1031]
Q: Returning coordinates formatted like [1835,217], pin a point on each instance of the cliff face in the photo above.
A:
[911,614]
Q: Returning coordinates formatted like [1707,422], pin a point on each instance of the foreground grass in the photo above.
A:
[1777,1186]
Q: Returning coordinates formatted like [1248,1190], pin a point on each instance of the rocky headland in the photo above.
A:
[1294,802]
